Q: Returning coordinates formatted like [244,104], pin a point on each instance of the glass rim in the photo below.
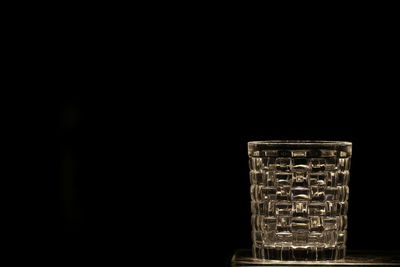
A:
[301,142]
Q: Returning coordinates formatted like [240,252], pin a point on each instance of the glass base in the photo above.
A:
[244,257]
[299,253]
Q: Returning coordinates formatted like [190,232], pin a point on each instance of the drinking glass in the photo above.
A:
[299,193]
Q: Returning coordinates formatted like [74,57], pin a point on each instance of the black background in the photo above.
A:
[151,164]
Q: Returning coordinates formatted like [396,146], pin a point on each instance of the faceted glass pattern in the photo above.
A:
[299,192]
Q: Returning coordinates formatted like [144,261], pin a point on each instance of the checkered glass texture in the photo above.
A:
[299,192]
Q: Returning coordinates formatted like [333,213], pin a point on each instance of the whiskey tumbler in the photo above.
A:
[299,192]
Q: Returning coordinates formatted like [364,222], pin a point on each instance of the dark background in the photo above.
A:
[141,154]
[120,182]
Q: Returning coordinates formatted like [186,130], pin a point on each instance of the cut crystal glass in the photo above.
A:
[299,193]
